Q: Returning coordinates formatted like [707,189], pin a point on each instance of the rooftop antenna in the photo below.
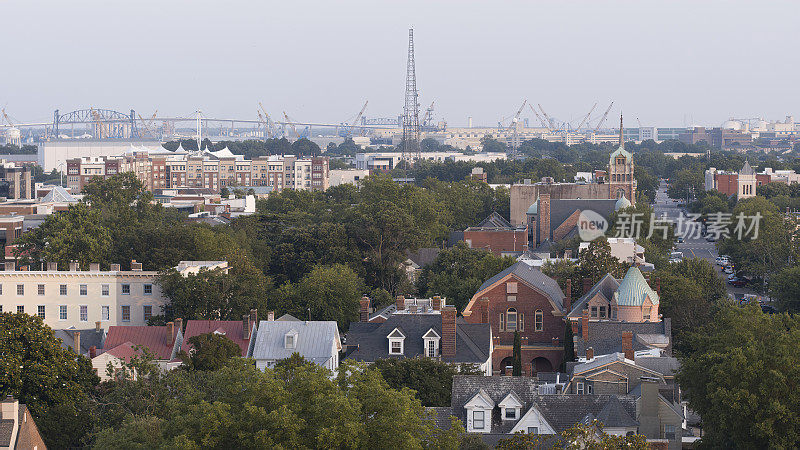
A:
[411,108]
[621,140]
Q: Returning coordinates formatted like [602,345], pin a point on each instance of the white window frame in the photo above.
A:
[396,337]
[125,286]
[122,313]
[482,419]
[40,289]
[83,290]
[62,312]
[62,289]
[105,313]
[509,312]
[579,388]
[144,289]
[533,430]
[105,290]
[83,313]
[20,290]
[20,309]
[145,312]
[41,311]
[510,410]
[538,320]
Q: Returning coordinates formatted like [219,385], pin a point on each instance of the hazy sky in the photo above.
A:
[668,63]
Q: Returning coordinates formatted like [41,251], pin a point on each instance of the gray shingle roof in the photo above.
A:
[6,430]
[89,338]
[472,340]
[606,336]
[665,365]
[561,209]
[532,276]
[607,286]
[494,220]
[314,342]
[441,416]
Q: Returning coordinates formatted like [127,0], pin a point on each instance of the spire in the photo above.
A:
[621,141]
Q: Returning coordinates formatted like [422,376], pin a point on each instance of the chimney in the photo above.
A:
[658,286]
[587,285]
[94,267]
[449,331]
[11,266]
[171,332]
[364,309]
[92,352]
[178,325]
[115,267]
[484,304]
[649,424]
[436,302]
[271,316]
[245,326]
[254,317]
[585,326]
[589,353]
[74,266]
[9,409]
[568,297]
[627,344]
[97,326]
[136,266]
[400,302]
[52,266]
[76,337]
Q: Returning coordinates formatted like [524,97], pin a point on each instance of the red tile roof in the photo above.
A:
[232,329]
[156,339]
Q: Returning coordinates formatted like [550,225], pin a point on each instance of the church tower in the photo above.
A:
[620,171]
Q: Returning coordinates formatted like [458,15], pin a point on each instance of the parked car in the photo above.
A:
[736,282]
[728,269]
[722,261]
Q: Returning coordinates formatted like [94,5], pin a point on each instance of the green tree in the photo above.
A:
[517,356]
[326,293]
[740,376]
[687,183]
[580,436]
[51,380]
[431,379]
[458,272]
[785,287]
[210,351]
[596,261]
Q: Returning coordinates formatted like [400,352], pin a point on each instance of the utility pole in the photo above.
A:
[411,146]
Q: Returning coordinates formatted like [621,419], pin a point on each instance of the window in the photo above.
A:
[126,313]
[40,311]
[105,313]
[20,289]
[511,298]
[533,430]
[646,313]
[20,309]
[62,312]
[84,290]
[539,326]
[511,323]
[40,289]
[580,388]
[396,348]
[589,389]
[289,341]
[602,312]
[126,289]
[511,413]
[502,322]
[614,312]
[1,289]
[147,312]
[104,290]
[148,289]
[594,311]
[62,289]
[478,421]
[430,349]
[669,432]
[84,313]
[511,288]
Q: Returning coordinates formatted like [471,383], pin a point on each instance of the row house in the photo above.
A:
[163,169]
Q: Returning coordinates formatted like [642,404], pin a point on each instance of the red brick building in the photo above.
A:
[522,298]
[498,236]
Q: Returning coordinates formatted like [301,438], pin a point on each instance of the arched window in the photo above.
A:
[511,319]
[539,320]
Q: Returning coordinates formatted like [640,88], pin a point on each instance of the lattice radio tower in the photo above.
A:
[411,109]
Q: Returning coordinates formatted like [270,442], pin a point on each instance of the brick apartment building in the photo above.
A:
[163,169]
[743,184]
[16,181]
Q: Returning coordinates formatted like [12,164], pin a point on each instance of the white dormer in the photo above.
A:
[431,340]
[533,422]
[290,339]
[479,413]
[510,407]
[396,339]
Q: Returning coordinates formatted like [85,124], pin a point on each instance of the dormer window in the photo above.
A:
[290,340]
[431,340]
[511,414]
[396,339]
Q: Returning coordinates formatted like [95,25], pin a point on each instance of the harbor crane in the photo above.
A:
[269,125]
[148,125]
[514,123]
[428,118]
[603,119]
[539,118]
[586,117]
[548,118]
[358,117]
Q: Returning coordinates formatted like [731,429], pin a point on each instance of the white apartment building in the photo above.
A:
[79,298]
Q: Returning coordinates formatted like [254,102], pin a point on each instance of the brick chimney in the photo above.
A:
[400,302]
[568,297]
[136,266]
[363,311]
[436,303]
[171,332]
[270,316]
[484,306]
[627,344]
[544,217]
[97,326]
[448,331]
[254,316]
[585,326]
[76,337]
[10,266]
[587,285]
[658,286]
[92,351]
[52,266]
[178,325]
[589,353]
[245,326]
[115,267]
[74,266]
[94,267]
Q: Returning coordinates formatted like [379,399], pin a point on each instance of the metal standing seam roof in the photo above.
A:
[314,342]
[156,339]
[232,329]
[532,276]
[634,289]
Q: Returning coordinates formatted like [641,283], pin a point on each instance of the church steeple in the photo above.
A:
[621,140]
